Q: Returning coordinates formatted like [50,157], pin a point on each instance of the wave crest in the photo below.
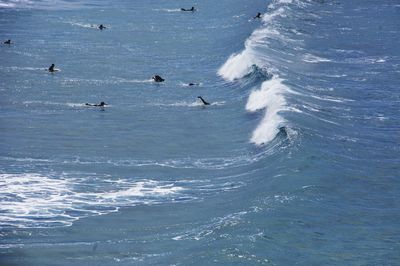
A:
[237,66]
[269,97]
[252,64]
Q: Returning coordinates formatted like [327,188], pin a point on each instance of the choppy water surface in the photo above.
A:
[295,160]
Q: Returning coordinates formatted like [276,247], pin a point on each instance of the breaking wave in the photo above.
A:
[252,64]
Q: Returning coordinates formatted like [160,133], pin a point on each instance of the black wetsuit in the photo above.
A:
[258,16]
[192,9]
[203,101]
[102,104]
[157,78]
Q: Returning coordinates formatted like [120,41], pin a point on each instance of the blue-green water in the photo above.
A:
[296,160]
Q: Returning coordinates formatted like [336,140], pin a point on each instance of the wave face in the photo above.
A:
[270,94]
[294,161]
[268,97]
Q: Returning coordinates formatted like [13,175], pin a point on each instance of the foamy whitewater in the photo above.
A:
[294,162]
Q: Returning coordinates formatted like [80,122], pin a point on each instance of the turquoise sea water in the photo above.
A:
[295,162]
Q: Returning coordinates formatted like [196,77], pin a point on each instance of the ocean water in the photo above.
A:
[296,161]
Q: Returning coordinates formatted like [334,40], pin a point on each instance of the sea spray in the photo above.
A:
[237,65]
[270,97]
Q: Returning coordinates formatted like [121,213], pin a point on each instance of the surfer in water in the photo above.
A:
[191,9]
[258,15]
[52,68]
[101,27]
[203,101]
[7,42]
[102,104]
[157,78]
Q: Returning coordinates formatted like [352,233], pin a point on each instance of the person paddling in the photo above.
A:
[52,68]
[191,9]
[258,15]
[102,104]
[203,101]
[157,78]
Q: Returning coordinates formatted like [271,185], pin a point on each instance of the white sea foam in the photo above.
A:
[270,97]
[179,163]
[83,25]
[213,227]
[309,58]
[143,189]
[7,5]
[73,105]
[262,37]
[15,68]
[168,9]
[15,3]
[183,84]
[276,3]
[34,200]
[367,60]
[213,163]
[111,80]
[260,99]
[30,200]
[44,5]
[280,12]
[187,104]
[55,103]
[121,80]
[178,104]
[194,163]
[238,16]
[331,99]
[237,65]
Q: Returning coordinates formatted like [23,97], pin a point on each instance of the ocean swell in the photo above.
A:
[269,95]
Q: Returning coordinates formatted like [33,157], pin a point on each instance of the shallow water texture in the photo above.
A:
[294,162]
